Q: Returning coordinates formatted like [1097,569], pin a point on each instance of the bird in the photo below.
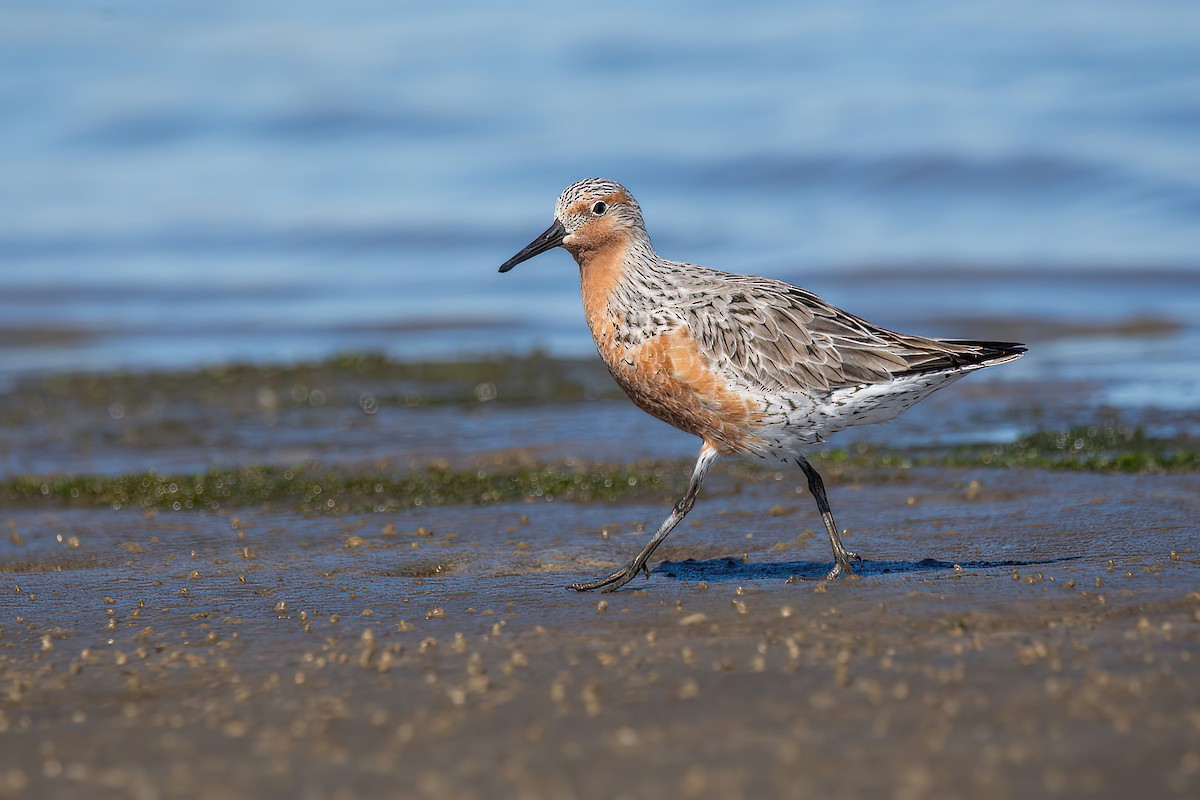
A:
[752,366]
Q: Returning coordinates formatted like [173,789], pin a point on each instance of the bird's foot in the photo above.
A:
[841,568]
[615,581]
[841,564]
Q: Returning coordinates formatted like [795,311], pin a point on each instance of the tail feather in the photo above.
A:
[987,351]
[962,353]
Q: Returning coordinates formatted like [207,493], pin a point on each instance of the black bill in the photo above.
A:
[549,240]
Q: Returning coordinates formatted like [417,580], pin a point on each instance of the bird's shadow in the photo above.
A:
[729,569]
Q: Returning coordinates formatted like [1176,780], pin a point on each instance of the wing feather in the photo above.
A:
[774,336]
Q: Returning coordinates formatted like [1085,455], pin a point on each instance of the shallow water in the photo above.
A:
[205,185]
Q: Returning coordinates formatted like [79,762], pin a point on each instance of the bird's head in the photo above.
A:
[590,215]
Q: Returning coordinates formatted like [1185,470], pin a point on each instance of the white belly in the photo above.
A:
[796,420]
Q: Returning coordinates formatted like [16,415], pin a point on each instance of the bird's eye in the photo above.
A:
[599,208]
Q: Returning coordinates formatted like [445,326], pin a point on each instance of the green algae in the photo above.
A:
[316,490]
[313,489]
[364,380]
[1096,448]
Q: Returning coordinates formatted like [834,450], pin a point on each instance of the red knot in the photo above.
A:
[752,366]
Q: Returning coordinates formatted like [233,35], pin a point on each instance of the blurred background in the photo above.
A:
[190,184]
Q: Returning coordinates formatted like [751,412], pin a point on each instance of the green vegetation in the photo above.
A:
[1100,448]
[328,490]
[1107,448]
[313,489]
[366,380]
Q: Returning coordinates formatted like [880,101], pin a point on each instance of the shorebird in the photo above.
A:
[752,366]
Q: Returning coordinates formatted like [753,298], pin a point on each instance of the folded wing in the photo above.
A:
[778,337]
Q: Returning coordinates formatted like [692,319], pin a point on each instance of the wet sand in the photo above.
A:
[1006,636]
[1013,631]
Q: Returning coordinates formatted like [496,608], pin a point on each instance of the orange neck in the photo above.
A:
[600,270]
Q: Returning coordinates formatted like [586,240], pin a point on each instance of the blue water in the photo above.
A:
[191,183]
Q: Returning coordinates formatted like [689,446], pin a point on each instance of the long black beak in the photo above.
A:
[549,240]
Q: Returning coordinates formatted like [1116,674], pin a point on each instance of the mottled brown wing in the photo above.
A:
[778,337]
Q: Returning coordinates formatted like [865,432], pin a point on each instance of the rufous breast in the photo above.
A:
[665,373]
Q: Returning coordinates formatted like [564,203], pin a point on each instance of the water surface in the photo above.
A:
[271,181]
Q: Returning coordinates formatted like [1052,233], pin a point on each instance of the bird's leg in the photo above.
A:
[816,487]
[626,573]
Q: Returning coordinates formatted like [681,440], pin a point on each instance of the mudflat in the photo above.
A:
[1026,621]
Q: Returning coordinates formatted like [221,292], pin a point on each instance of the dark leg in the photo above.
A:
[625,574]
[816,487]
